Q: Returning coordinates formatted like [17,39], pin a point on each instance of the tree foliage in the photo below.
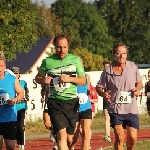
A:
[91,62]
[46,24]
[84,25]
[16,19]
[128,21]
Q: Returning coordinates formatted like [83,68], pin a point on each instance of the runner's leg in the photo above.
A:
[21,128]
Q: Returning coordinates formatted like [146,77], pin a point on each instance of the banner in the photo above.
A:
[36,107]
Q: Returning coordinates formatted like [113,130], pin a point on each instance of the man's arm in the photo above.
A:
[139,85]
[100,91]
[75,80]
[88,82]
[19,90]
[40,78]
[101,85]
[136,90]
[20,94]
[81,78]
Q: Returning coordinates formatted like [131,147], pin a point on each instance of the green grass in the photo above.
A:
[144,145]
[35,127]
[97,124]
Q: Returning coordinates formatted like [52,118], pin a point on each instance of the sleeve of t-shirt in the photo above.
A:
[43,68]
[80,69]
[102,81]
[10,72]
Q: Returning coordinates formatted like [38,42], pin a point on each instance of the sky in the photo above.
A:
[49,2]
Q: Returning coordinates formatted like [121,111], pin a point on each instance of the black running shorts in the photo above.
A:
[64,114]
[8,130]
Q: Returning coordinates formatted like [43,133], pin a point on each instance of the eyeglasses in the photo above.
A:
[16,73]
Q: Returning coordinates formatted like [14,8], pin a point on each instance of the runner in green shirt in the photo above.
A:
[69,66]
[64,71]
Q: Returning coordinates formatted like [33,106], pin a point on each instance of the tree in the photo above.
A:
[91,62]
[84,25]
[46,24]
[16,21]
[128,22]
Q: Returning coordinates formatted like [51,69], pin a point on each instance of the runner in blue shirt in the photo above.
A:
[9,86]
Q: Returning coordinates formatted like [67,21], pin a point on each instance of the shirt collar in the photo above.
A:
[110,70]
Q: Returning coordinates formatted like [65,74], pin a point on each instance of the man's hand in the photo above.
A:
[136,91]
[64,78]
[26,98]
[107,96]
[12,101]
[42,100]
[48,79]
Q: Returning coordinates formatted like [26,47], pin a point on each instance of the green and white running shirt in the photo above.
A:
[71,66]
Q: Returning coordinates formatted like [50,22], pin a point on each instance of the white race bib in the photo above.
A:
[123,97]
[148,94]
[60,86]
[83,98]
[3,98]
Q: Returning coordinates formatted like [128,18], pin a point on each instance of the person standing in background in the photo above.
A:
[147,93]
[107,137]
[21,107]
[46,117]
[92,94]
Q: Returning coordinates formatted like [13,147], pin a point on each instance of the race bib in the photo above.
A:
[123,97]
[148,94]
[60,87]
[3,98]
[83,98]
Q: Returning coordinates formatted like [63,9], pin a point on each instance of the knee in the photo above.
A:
[133,138]
[119,133]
